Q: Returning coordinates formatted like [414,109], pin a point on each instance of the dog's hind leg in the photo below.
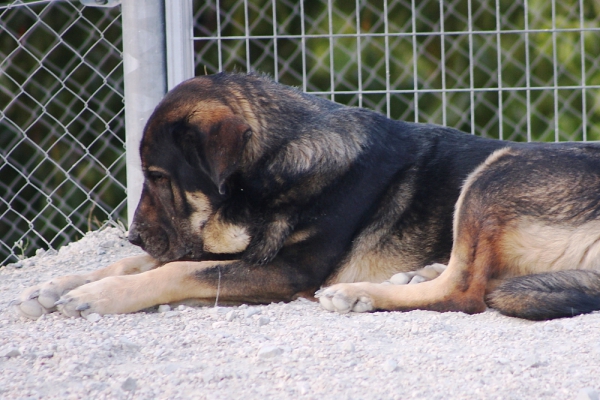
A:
[459,288]
[478,228]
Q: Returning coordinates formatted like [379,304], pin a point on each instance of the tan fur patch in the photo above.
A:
[532,247]
[321,150]
[299,236]
[224,238]
[370,267]
[202,209]
[209,112]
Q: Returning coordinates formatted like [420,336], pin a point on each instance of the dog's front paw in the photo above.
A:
[102,297]
[424,274]
[41,299]
[345,297]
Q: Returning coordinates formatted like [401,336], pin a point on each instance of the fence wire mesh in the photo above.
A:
[516,70]
[62,168]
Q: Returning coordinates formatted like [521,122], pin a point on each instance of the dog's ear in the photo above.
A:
[222,146]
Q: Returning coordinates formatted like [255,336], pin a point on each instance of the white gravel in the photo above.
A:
[281,351]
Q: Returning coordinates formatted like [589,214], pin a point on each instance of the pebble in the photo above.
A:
[219,324]
[250,311]
[164,308]
[171,314]
[45,354]
[348,347]
[588,393]
[263,320]
[10,352]
[93,317]
[269,352]
[129,385]
[231,315]
[389,365]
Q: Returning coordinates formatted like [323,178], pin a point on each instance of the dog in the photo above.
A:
[255,192]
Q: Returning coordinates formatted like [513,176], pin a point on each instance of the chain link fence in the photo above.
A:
[62,169]
[516,70]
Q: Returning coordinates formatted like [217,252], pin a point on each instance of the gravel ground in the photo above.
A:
[281,351]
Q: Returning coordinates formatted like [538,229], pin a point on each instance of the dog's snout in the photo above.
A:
[134,236]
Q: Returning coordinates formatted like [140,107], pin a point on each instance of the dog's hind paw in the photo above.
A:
[343,299]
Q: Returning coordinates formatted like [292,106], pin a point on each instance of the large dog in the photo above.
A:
[255,192]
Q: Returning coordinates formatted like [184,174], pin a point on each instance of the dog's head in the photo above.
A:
[192,144]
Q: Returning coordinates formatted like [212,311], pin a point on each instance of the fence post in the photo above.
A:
[179,17]
[144,64]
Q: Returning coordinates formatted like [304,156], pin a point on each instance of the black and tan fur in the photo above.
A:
[255,192]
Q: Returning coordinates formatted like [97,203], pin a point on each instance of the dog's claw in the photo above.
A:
[34,295]
[62,301]
[82,307]
[14,302]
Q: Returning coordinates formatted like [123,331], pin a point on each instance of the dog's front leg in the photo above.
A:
[40,299]
[231,281]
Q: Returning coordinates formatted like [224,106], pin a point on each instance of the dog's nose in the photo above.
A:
[134,236]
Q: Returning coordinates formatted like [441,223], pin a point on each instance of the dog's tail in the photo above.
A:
[548,295]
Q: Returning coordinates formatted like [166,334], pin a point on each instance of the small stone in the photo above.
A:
[251,311]
[171,314]
[40,252]
[45,354]
[348,347]
[181,307]
[164,308]
[263,320]
[303,387]
[400,279]
[588,393]
[390,365]
[269,352]
[230,316]
[218,310]
[534,361]
[17,265]
[93,317]
[129,385]
[10,352]
[100,252]
[219,324]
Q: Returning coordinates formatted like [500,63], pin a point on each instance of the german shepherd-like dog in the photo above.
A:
[256,192]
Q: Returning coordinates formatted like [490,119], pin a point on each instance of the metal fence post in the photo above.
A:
[144,64]
[179,17]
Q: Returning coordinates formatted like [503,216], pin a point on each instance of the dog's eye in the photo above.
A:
[156,176]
